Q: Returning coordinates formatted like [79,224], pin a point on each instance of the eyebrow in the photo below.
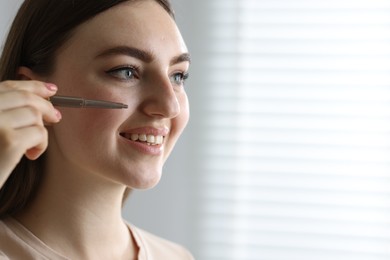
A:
[141,54]
[185,57]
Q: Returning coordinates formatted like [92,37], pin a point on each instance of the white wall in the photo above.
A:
[8,9]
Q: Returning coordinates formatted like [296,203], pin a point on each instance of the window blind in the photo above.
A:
[295,148]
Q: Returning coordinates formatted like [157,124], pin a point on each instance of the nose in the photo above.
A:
[161,100]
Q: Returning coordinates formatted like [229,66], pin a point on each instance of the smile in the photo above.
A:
[144,138]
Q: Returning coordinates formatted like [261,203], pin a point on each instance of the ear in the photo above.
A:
[25,73]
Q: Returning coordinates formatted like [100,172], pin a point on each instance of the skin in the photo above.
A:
[23,109]
[77,211]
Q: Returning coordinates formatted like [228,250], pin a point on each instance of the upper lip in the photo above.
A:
[147,130]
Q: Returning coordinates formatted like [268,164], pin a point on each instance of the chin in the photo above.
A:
[144,181]
[144,185]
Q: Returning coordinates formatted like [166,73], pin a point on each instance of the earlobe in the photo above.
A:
[25,73]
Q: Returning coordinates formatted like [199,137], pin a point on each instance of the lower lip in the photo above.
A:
[144,147]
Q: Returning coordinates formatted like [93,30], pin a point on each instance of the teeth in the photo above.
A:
[159,139]
[142,138]
[149,139]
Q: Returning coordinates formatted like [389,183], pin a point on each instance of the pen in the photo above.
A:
[77,102]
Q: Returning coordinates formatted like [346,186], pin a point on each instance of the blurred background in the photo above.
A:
[287,154]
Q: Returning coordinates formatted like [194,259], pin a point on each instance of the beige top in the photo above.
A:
[17,242]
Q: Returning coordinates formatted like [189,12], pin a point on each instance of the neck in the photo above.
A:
[79,215]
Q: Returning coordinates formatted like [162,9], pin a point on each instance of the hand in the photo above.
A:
[24,109]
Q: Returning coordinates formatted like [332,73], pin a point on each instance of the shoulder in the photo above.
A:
[155,247]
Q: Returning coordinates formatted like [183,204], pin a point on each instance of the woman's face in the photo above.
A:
[132,53]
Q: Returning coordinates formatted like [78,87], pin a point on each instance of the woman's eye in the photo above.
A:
[124,73]
[179,78]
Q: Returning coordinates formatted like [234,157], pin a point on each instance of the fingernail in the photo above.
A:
[51,87]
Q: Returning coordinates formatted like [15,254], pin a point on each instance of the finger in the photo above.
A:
[15,143]
[34,153]
[21,106]
[37,87]
[34,140]
[23,117]
[19,97]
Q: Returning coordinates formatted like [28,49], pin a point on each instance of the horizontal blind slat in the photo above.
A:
[296,143]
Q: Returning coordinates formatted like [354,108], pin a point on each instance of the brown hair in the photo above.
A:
[40,28]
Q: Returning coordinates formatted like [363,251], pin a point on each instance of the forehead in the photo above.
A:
[140,24]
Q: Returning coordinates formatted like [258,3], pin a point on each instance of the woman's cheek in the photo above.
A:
[87,125]
[100,121]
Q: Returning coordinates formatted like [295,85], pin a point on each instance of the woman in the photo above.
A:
[64,172]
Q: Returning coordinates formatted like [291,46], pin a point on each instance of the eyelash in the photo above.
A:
[116,72]
[183,77]
[134,73]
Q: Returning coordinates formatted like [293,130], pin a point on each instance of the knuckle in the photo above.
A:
[26,96]
[42,129]
[42,132]
[36,85]
[8,84]
[35,114]
[34,111]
